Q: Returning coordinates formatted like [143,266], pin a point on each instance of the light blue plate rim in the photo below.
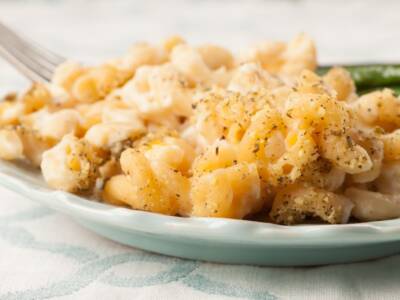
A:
[29,184]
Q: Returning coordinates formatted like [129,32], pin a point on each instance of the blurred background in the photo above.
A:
[345,31]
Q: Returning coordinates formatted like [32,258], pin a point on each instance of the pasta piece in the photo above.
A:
[108,110]
[322,174]
[147,192]
[216,57]
[34,145]
[173,151]
[109,169]
[11,146]
[293,205]
[347,156]
[60,98]
[219,155]
[118,111]
[170,43]
[299,55]
[119,191]
[140,54]
[331,125]
[219,78]
[380,108]
[91,114]
[371,206]
[342,83]
[111,134]
[10,112]
[232,192]
[53,125]
[190,63]
[35,98]
[176,184]
[21,143]
[310,83]
[268,54]
[91,84]
[391,145]
[300,151]
[388,181]
[170,159]
[160,93]
[66,74]
[71,165]
[95,83]
[278,57]
[250,77]
[226,115]
[375,149]
[166,161]
[281,159]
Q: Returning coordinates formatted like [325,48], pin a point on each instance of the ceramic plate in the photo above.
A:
[212,239]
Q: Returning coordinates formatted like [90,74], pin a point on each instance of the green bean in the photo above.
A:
[373,75]
[395,88]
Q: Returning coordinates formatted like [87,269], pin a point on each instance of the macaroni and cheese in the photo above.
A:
[201,131]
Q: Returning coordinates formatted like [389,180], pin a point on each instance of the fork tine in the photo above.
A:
[9,39]
[51,56]
[20,50]
[25,70]
[24,54]
[27,61]
[37,49]
[31,59]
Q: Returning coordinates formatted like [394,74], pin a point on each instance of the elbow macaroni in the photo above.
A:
[199,131]
[293,204]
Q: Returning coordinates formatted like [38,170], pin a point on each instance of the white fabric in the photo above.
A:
[44,254]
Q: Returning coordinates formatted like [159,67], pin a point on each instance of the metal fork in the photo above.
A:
[29,58]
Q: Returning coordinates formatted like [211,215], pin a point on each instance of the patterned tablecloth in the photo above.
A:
[44,254]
